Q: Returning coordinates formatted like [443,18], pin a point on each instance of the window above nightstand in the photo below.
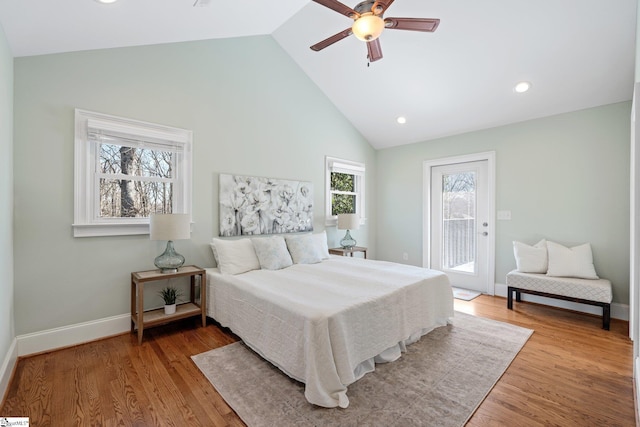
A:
[125,170]
[345,183]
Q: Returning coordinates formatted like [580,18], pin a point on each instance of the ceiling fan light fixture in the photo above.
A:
[368,27]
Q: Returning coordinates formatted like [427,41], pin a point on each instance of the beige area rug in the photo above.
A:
[439,381]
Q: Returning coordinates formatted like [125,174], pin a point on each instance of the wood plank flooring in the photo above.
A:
[570,373]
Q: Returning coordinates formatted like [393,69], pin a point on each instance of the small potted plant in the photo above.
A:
[170,295]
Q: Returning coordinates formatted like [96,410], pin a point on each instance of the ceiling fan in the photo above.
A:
[368,24]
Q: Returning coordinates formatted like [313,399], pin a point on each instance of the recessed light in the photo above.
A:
[402,120]
[522,87]
[106,1]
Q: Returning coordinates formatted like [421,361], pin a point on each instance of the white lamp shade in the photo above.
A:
[348,221]
[169,227]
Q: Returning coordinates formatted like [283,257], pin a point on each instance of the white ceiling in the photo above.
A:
[576,53]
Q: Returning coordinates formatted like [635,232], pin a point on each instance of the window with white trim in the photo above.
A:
[344,188]
[125,170]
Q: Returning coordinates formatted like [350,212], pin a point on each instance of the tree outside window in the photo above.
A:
[343,193]
[147,187]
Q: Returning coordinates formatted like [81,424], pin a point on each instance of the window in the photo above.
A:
[344,188]
[124,171]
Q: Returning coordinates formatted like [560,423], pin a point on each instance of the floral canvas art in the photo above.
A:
[253,205]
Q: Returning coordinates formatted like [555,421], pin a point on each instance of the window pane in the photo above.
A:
[343,203]
[134,199]
[343,182]
[120,159]
[459,221]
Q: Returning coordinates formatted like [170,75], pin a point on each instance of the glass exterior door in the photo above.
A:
[459,243]
[459,223]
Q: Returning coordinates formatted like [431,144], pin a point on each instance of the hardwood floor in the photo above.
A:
[570,373]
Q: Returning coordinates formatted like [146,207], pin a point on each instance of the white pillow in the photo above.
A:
[307,248]
[234,256]
[571,262]
[531,259]
[272,252]
[321,241]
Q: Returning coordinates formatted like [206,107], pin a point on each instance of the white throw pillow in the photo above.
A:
[306,248]
[321,241]
[571,262]
[531,259]
[272,252]
[234,256]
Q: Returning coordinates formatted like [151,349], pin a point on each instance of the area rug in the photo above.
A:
[464,294]
[439,381]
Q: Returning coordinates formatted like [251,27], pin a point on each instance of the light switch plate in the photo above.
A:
[504,215]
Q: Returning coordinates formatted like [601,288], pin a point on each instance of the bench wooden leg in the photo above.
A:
[606,316]
[510,297]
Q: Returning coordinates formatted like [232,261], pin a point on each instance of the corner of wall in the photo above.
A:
[7,369]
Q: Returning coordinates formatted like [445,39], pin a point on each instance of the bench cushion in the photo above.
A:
[587,289]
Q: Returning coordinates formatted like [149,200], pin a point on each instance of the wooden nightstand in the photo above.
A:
[348,252]
[146,319]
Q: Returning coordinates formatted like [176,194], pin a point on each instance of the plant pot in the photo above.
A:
[169,309]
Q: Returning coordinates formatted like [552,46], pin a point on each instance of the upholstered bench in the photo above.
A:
[586,291]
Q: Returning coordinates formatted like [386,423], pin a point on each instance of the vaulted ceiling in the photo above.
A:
[575,53]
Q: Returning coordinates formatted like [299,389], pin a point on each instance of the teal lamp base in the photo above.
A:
[347,241]
[169,261]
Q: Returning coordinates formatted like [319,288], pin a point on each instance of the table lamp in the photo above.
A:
[169,227]
[348,222]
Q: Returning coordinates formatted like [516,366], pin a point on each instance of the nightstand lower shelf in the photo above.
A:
[157,317]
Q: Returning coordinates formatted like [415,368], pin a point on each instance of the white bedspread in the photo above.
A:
[324,324]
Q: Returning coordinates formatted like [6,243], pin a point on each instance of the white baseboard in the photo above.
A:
[6,370]
[66,336]
[618,311]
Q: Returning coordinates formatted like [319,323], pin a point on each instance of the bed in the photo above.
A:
[327,323]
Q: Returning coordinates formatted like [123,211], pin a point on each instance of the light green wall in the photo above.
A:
[251,109]
[7,312]
[564,177]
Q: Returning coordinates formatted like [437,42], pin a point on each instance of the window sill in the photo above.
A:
[98,230]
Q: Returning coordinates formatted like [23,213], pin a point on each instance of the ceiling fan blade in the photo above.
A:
[339,7]
[381,5]
[412,24]
[331,40]
[374,50]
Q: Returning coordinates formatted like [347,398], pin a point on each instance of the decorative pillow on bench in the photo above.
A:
[555,260]
[531,259]
[571,262]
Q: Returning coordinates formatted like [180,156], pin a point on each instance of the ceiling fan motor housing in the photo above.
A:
[367,7]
